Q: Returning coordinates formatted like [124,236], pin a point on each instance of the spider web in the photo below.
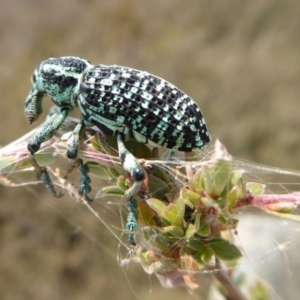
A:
[269,244]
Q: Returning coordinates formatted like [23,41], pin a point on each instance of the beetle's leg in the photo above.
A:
[41,135]
[73,141]
[46,132]
[132,220]
[85,180]
[72,152]
[131,165]
[43,175]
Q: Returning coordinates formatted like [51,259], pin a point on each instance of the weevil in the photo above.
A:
[129,103]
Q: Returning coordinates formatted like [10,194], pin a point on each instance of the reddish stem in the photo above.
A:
[262,200]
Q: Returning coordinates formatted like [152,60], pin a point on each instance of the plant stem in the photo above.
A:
[265,199]
[232,292]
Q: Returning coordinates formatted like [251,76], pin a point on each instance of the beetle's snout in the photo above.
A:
[30,111]
[31,117]
[33,106]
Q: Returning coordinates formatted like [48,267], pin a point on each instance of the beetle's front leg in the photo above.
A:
[46,132]
[42,174]
[41,135]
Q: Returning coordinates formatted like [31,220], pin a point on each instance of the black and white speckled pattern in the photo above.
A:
[148,105]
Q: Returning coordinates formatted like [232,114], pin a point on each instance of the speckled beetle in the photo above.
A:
[129,103]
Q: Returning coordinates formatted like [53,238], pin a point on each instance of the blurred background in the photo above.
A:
[239,60]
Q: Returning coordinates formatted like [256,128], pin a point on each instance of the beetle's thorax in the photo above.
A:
[60,79]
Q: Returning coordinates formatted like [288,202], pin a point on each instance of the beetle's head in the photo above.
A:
[58,78]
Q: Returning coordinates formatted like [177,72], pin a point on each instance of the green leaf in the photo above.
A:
[221,202]
[190,231]
[195,181]
[161,174]
[121,183]
[110,190]
[146,215]
[180,209]
[158,188]
[208,202]
[158,206]
[156,240]
[228,223]
[185,198]
[195,244]
[256,188]
[206,254]
[215,176]
[172,230]
[171,214]
[233,196]
[190,198]
[204,230]
[224,250]
[101,171]
[197,220]
[236,177]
